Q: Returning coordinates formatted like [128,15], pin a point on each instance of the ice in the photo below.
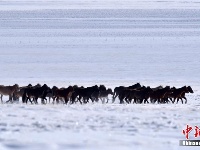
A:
[99,42]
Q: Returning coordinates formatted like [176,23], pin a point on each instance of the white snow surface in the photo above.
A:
[109,42]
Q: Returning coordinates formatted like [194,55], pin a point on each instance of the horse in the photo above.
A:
[157,88]
[135,86]
[8,91]
[75,95]
[104,94]
[159,95]
[86,93]
[24,96]
[190,90]
[102,88]
[180,93]
[65,93]
[118,90]
[124,94]
[140,95]
[35,93]
[19,93]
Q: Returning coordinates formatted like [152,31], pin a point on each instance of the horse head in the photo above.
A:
[109,90]
[190,89]
[29,85]
[16,86]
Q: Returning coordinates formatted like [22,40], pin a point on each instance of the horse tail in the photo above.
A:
[114,93]
[14,96]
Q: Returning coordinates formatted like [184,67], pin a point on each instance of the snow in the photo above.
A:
[99,42]
[98,4]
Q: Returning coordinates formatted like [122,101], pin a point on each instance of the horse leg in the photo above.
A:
[91,99]
[170,99]
[185,99]
[146,101]
[113,100]
[72,99]
[103,100]
[53,99]
[113,96]
[174,100]
[26,99]
[130,100]
[43,100]
[84,100]
[181,100]
[57,100]
[8,100]
[36,98]
[1,98]
[80,101]
[121,102]
[135,100]
[116,96]
[177,100]
[11,98]
[66,100]
[127,101]
[167,99]
[107,99]
[159,100]
[32,100]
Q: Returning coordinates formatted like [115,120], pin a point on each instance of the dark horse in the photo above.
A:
[96,94]
[180,93]
[140,95]
[159,95]
[119,89]
[35,93]
[86,93]
[65,93]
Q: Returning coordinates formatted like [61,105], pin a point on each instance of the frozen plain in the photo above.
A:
[96,42]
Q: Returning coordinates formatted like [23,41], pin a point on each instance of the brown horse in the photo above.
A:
[180,93]
[8,91]
[65,93]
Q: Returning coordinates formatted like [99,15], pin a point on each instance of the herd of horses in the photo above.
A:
[136,94]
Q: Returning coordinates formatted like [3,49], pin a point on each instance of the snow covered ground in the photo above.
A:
[99,42]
